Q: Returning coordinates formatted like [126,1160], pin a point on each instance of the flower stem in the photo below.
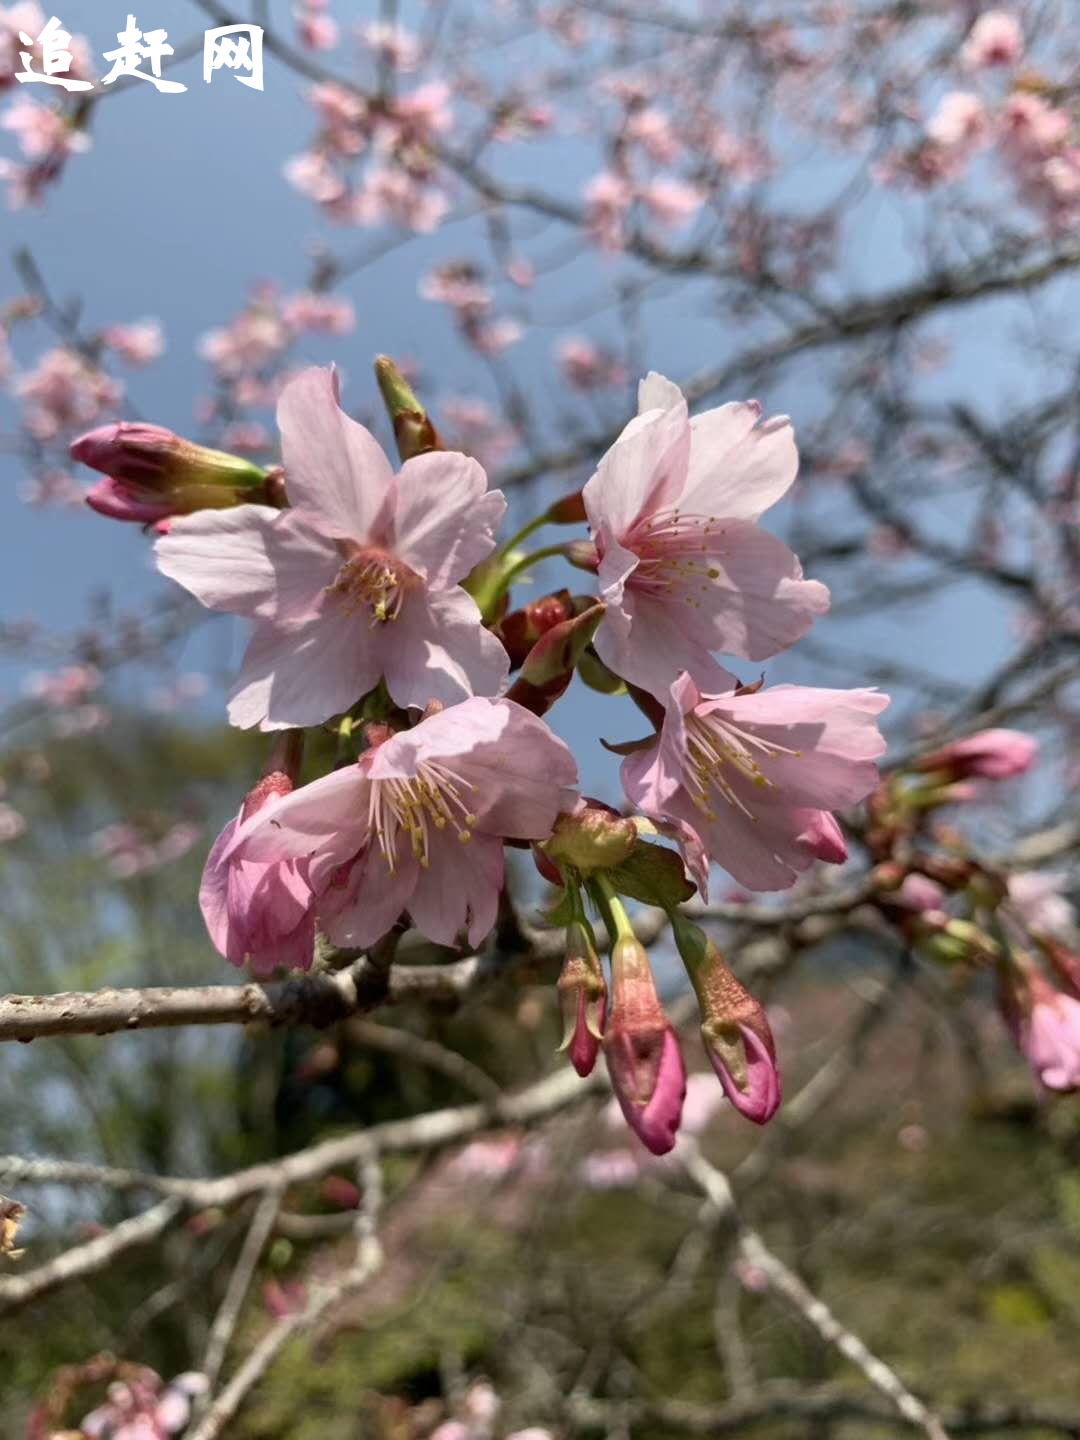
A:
[533,558]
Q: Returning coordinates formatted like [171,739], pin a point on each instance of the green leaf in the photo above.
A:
[654,875]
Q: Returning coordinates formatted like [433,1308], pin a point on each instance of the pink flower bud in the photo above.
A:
[152,473]
[1045,1025]
[550,664]
[261,912]
[642,1051]
[823,837]
[734,1027]
[583,998]
[987,755]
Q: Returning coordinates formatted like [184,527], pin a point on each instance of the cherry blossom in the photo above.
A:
[747,780]
[994,39]
[418,823]
[358,582]
[683,567]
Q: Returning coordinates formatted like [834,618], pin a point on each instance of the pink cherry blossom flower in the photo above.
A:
[393,44]
[587,366]
[418,823]
[608,198]
[258,912]
[994,39]
[671,201]
[315,27]
[43,132]
[1048,1033]
[743,779]
[1037,898]
[318,314]
[65,392]
[683,567]
[960,123]
[986,755]
[30,19]
[257,336]
[138,344]
[357,582]
[142,1407]
[392,195]
[652,130]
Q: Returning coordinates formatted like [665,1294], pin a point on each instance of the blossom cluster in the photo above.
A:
[380,606]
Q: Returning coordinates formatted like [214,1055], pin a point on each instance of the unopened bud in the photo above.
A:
[987,755]
[591,837]
[642,1051]
[570,510]
[413,430]
[583,554]
[521,629]
[582,998]
[734,1027]
[549,665]
[151,473]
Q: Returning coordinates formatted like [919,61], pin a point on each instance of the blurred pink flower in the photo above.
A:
[986,755]
[587,366]
[392,44]
[994,39]
[319,314]
[65,392]
[138,344]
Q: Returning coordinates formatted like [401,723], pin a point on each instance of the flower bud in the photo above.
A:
[261,913]
[987,755]
[413,430]
[150,474]
[583,554]
[642,1051]
[734,1027]
[590,837]
[570,510]
[549,665]
[1045,1025]
[823,837]
[583,998]
[521,629]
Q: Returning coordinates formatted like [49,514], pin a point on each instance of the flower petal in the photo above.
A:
[335,471]
[444,516]
[459,890]
[328,816]
[237,560]
[361,905]
[302,676]
[745,595]
[437,649]
[736,471]
[643,470]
